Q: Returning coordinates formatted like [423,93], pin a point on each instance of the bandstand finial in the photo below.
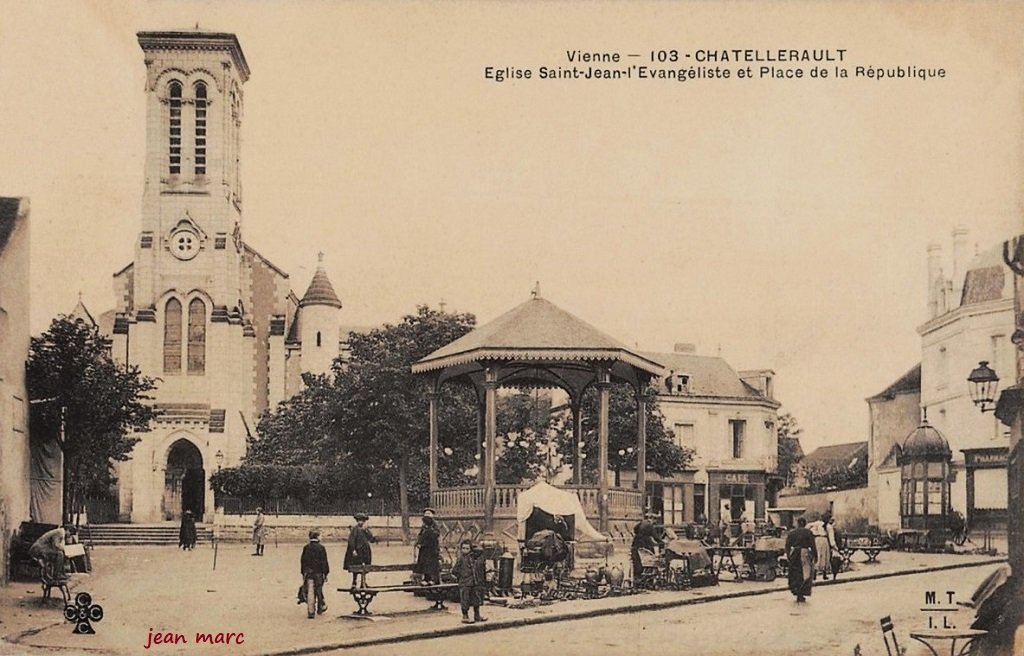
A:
[320,257]
[536,290]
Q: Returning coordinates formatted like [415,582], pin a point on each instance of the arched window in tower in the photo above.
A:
[200,128]
[172,337]
[196,337]
[174,132]
[318,344]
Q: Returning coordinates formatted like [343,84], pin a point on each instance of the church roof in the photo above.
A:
[535,330]
[320,291]
[82,312]
[197,40]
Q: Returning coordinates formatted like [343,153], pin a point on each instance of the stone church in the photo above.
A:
[199,308]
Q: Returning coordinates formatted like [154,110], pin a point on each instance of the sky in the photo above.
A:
[780,223]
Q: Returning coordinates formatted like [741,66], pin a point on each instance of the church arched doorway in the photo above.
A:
[184,481]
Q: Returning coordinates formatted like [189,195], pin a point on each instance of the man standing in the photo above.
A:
[315,567]
[801,554]
[359,554]
[428,549]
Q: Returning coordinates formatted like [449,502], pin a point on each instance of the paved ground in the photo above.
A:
[835,620]
[166,590]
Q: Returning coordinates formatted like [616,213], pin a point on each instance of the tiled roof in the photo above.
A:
[320,291]
[842,454]
[908,382]
[535,330]
[986,278]
[709,375]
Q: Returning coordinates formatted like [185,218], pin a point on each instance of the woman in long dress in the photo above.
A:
[187,532]
[801,554]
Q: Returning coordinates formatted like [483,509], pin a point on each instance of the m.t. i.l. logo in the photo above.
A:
[83,613]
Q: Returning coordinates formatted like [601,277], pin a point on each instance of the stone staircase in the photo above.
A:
[165,533]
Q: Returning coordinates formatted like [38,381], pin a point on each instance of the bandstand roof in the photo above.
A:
[538,344]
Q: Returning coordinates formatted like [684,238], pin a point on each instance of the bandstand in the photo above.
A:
[536,345]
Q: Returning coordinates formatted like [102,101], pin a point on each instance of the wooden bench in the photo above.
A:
[364,594]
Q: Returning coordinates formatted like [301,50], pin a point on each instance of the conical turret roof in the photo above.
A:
[320,291]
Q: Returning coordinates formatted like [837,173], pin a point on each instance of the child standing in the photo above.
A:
[465,572]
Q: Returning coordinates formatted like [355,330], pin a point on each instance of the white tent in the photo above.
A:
[554,501]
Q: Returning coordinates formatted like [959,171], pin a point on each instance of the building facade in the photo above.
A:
[15,487]
[199,308]
[970,319]
[730,422]
[894,413]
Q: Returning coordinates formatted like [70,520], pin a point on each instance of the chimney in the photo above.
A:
[934,278]
[681,347]
[959,263]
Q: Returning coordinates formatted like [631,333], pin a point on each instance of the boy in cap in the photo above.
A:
[314,565]
[359,554]
[465,572]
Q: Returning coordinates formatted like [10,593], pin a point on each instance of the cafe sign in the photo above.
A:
[745,478]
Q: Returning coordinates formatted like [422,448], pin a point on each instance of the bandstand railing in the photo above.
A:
[468,501]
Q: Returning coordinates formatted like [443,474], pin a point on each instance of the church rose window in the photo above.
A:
[172,337]
[175,129]
[196,337]
[200,129]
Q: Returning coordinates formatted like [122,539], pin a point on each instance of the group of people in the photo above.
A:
[314,564]
[809,552]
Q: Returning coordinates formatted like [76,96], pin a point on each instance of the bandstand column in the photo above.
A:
[490,433]
[641,448]
[481,467]
[577,437]
[432,397]
[604,388]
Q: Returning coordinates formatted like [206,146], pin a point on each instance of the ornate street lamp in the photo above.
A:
[983,385]
[219,457]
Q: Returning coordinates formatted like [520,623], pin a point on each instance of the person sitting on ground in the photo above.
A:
[314,565]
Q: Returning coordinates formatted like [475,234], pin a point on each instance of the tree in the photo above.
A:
[664,456]
[299,431]
[524,421]
[790,452]
[85,402]
[383,415]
